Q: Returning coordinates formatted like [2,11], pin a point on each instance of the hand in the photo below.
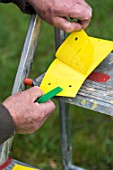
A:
[27,114]
[56,12]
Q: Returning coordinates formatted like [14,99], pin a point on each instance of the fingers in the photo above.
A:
[66,25]
[28,115]
[84,23]
[36,118]
[47,107]
[81,11]
[55,13]
[43,110]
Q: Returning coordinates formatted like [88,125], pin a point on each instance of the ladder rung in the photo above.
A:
[94,95]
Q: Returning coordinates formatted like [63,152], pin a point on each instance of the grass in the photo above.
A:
[92,132]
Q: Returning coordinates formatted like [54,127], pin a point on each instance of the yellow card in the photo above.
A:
[20,167]
[76,59]
[77,51]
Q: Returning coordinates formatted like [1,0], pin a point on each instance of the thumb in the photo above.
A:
[34,93]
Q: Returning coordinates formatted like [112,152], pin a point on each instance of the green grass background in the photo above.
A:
[92,132]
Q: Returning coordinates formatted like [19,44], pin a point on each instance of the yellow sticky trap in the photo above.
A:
[20,167]
[77,51]
[74,62]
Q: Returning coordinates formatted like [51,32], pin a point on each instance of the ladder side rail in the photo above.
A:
[66,147]
[23,71]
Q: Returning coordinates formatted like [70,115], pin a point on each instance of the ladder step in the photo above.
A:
[95,95]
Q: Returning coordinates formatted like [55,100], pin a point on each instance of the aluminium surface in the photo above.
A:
[94,95]
[23,71]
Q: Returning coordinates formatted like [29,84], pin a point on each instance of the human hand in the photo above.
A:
[27,114]
[56,12]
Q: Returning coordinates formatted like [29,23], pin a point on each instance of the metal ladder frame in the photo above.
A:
[23,71]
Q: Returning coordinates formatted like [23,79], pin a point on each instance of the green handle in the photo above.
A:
[49,95]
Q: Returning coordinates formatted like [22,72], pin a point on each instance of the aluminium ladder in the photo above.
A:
[92,95]
[23,72]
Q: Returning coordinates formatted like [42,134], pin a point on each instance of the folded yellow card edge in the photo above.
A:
[60,74]
[76,50]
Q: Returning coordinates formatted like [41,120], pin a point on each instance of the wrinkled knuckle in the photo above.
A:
[53,22]
[35,118]
[40,116]
[33,128]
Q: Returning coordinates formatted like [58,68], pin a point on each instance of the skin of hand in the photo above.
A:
[56,12]
[27,114]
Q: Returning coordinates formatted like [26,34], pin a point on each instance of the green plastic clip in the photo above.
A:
[49,95]
[72,19]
